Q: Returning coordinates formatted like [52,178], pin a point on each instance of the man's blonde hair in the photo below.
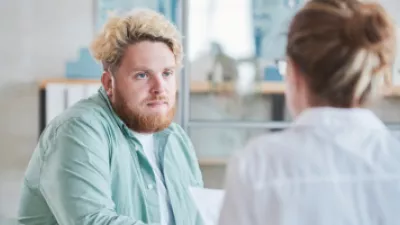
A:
[120,32]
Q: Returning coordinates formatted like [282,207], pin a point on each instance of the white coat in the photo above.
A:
[331,167]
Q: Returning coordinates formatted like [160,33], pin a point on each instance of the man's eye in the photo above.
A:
[168,73]
[141,76]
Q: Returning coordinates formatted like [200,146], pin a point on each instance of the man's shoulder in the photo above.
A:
[263,156]
[183,145]
[179,138]
[179,133]
[176,129]
[91,113]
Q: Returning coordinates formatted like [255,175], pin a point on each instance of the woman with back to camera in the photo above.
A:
[337,164]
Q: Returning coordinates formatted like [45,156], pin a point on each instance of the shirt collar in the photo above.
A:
[104,95]
[329,116]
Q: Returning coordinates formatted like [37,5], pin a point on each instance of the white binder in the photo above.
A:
[92,89]
[75,92]
[55,100]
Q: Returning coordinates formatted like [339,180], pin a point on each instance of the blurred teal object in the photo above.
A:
[84,67]
[271,19]
[105,7]
[271,73]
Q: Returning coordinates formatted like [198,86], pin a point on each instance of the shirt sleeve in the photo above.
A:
[75,176]
[194,164]
[191,152]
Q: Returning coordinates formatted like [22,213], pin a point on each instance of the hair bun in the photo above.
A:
[368,27]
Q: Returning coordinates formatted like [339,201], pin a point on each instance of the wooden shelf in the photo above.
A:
[44,83]
[263,87]
[217,161]
[195,87]
[207,87]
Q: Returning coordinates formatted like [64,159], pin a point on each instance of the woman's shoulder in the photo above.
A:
[264,156]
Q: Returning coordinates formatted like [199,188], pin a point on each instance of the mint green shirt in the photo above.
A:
[89,169]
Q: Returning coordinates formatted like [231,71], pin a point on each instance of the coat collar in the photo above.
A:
[329,116]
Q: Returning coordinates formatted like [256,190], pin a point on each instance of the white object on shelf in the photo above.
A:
[75,92]
[61,96]
[55,100]
[91,89]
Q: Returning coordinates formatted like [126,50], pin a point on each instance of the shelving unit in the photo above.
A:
[43,83]
[213,161]
[207,87]
[195,87]
[72,87]
[275,89]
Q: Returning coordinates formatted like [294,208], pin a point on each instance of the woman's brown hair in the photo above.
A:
[343,48]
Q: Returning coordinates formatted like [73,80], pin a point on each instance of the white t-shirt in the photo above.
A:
[147,142]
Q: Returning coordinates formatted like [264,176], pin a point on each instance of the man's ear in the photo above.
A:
[107,81]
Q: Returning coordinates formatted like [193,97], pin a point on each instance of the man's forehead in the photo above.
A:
[148,55]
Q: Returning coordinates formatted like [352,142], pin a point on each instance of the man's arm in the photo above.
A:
[194,162]
[75,176]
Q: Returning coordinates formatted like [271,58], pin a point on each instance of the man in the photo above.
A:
[116,158]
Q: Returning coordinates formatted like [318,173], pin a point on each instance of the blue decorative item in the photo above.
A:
[271,73]
[271,19]
[86,67]
[107,7]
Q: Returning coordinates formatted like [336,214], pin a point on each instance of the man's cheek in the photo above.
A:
[172,100]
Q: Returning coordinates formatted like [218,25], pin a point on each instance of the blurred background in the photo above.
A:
[231,87]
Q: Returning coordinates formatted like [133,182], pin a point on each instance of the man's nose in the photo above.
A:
[158,84]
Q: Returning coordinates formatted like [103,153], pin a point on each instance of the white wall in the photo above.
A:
[36,39]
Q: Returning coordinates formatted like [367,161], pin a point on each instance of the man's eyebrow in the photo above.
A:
[146,69]
[139,68]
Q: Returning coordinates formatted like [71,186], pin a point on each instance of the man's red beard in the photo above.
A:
[141,122]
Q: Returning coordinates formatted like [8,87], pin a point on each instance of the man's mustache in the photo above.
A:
[158,98]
